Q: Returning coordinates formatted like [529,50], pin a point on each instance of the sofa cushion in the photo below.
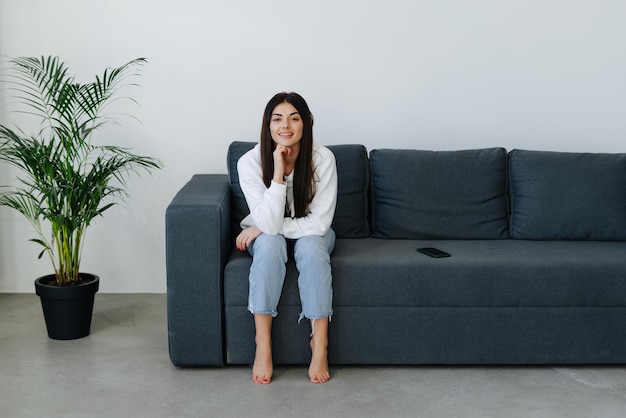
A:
[239,207]
[353,180]
[439,194]
[567,196]
[479,273]
[350,219]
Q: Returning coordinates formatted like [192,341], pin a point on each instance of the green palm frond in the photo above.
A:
[65,180]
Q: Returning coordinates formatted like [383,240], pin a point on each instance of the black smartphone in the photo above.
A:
[433,252]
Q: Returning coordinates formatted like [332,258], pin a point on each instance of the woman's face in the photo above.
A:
[286,125]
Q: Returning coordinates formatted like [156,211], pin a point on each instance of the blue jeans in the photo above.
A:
[267,274]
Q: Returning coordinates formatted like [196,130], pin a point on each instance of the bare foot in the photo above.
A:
[262,369]
[318,369]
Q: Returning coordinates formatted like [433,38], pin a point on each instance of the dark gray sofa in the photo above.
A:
[537,273]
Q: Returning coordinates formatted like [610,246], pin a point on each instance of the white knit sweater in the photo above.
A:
[268,205]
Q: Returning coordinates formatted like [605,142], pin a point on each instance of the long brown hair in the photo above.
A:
[303,172]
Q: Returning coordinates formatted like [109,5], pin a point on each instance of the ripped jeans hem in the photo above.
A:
[313,318]
[329,316]
[270,312]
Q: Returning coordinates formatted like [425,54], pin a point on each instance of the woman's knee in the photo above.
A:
[270,246]
[310,246]
[314,248]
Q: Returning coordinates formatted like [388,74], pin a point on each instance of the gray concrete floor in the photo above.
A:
[122,370]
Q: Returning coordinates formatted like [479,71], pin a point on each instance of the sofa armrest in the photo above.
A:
[198,239]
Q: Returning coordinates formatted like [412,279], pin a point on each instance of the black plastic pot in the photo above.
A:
[68,309]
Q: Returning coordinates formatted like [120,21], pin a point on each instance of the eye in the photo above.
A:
[276,120]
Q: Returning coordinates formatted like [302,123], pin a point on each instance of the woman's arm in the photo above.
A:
[266,204]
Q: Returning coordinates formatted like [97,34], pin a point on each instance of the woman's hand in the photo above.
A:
[245,238]
[280,154]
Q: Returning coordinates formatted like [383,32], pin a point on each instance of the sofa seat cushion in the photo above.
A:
[439,194]
[567,195]
[480,273]
[350,219]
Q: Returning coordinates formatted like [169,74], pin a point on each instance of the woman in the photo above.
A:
[290,185]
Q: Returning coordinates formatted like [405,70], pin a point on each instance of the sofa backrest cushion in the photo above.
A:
[353,181]
[439,194]
[567,196]
[239,207]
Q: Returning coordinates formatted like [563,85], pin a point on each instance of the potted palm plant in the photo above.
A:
[65,179]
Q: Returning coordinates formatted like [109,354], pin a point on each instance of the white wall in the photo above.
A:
[447,74]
